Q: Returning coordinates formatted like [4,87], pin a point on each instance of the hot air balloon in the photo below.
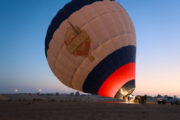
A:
[91,47]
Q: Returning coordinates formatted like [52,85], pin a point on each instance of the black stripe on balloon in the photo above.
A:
[108,66]
[62,15]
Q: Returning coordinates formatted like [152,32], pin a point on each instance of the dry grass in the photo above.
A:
[57,110]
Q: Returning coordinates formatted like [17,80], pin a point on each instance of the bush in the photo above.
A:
[9,100]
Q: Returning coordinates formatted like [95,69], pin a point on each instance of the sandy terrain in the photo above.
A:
[3,97]
[54,110]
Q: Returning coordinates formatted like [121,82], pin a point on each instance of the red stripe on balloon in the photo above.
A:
[117,79]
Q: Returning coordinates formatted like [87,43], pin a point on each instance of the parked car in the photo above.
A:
[170,100]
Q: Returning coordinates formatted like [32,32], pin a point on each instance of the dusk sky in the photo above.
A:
[23,27]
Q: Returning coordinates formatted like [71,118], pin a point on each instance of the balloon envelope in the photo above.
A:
[91,47]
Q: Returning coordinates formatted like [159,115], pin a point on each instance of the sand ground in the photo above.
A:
[54,110]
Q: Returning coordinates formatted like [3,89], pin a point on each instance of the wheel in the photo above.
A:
[176,102]
[159,102]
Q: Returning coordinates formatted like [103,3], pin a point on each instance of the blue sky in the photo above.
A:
[23,26]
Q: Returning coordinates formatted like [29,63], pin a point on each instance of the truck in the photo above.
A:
[171,100]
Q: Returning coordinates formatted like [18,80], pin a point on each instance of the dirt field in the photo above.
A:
[44,110]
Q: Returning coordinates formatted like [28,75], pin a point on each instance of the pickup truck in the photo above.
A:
[170,100]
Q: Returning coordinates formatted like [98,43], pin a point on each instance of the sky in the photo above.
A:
[23,27]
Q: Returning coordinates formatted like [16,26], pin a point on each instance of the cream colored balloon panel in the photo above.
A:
[88,12]
[67,64]
[128,26]
[120,41]
[120,17]
[110,6]
[64,57]
[105,10]
[108,47]
[63,79]
[77,19]
[58,37]
[82,72]
[79,76]
[52,53]
[92,35]
[93,15]
[132,39]
[55,45]
[119,22]
[51,60]
[123,19]
[100,30]
[53,49]
[126,16]
[100,52]
[131,25]
[109,24]
[129,22]
[118,7]
[65,69]
[100,8]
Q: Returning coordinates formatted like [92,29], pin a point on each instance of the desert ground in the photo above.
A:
[53,109]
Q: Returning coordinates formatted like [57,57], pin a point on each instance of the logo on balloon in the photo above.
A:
[78,42]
